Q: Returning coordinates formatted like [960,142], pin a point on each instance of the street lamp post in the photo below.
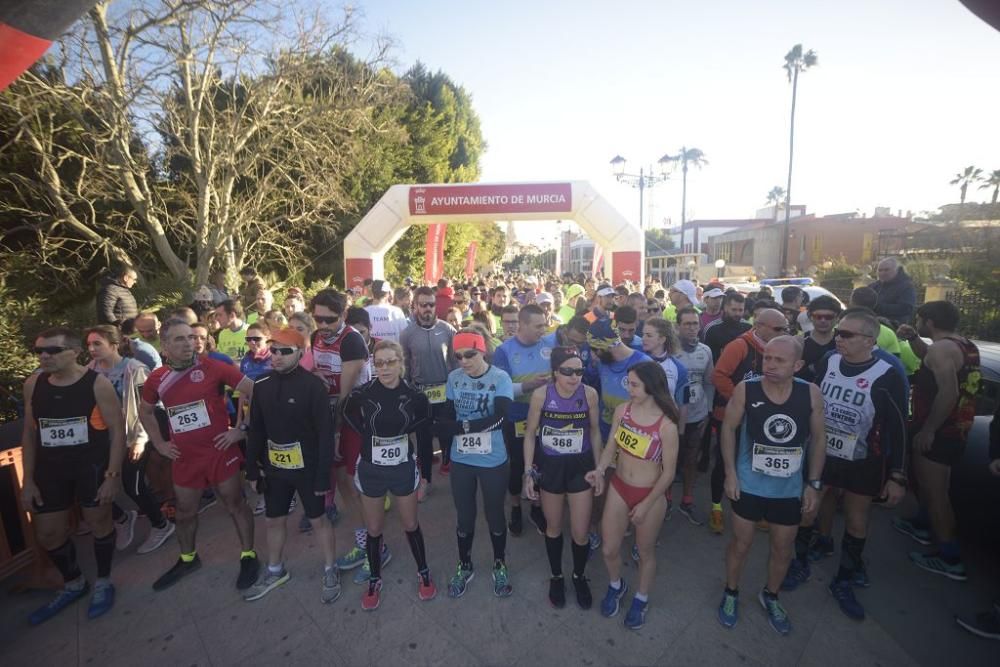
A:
[642,180]
[720,265]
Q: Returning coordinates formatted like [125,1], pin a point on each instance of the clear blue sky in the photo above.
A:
[906,94]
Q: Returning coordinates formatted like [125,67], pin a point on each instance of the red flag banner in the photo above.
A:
[470,259]
[434,266]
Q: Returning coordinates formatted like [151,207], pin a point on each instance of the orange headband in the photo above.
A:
[469,340]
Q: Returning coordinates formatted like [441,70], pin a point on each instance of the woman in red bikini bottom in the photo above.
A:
[644,439]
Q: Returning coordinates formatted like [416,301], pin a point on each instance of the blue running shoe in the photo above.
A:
[635,618]
[595,543]
[102,600]
[843,593]
[501,581]
[919,534]
[460,582]
[936,563]
[776,614]
[332,514]
[635,552]
[821,548]
[860,578]
[729,609]
[363,575]
[798,574]
[612,600]
[65,598]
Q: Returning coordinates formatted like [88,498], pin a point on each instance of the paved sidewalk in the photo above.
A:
[203,621]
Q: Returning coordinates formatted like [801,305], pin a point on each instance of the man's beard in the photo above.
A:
[605,357]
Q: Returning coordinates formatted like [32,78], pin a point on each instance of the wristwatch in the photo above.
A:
[245,427]
[816,484]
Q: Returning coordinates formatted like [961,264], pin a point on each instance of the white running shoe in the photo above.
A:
[156,538]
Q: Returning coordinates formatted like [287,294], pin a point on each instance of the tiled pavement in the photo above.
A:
[203,621]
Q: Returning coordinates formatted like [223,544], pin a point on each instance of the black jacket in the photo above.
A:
[897,299]
[115,303]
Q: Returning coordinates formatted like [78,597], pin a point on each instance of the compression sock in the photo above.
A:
[374,548]
[465,550]
[416,540]
[803,540]
[850,556]
[581,552]
[554,548]
[499,541]
[104,550]
[64,558]
[248,553]
[187,558]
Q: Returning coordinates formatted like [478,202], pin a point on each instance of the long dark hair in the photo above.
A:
[654,380]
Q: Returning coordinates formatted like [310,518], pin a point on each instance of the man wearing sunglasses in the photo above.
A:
[291,428]
[865,405]
[74,445]
[819,341]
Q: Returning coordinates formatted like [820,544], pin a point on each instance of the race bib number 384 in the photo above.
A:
[63,432]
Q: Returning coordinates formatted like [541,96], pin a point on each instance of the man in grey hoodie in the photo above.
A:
[429,357]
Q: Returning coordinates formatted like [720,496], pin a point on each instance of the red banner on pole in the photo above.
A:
[509,198]
[470,259]
[434,266]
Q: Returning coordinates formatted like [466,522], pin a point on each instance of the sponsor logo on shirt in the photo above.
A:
[780,428]
[197,376]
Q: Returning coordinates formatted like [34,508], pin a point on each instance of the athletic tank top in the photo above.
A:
[956,426]
[642,442]
[773,440]
[328,364]
[849,409]
[69,425]
[564,427]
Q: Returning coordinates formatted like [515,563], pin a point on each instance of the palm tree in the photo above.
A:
[963,180]
[775,197]
[795,61]
[992,181]
[694,157]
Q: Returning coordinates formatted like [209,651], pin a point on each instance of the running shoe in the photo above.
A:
[860,578]
[258,509]
[305,525]
[331,585]
[180,569]
[729,609]
[65,598]
[125,530]
[445,467]
[798,574]
[102,599]
[537,517]
[612,601]
[356,556]
[156,538]
[843,593]
[918,534]
[986,624]
[635,618]
[373,595]
[426,590]
[557,592]
[715,523]
[935,562]
[208,499]
[460,582]
[516,524]
[584,599]
[365,573]
[635,552]
[821,548]
[249,571]
[501,581]
[692,514]
[292,505]
[268,583]
[595,543]
[776,614]
[332,514]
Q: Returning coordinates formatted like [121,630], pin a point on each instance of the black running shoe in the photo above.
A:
[516,525]
[557,592]
[249,571]
[582,587]
[537,517]
[180,570]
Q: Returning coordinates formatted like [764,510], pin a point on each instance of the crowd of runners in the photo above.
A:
[560,401]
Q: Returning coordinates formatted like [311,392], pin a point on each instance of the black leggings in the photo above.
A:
[464,482]
[425,443]
[134,483]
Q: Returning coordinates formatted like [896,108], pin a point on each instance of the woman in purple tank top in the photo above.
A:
[562,444]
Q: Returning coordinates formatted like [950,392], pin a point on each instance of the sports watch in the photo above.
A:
[816,484]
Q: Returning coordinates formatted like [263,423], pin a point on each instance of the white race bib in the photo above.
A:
[776,461]
[475,443]
[841,445]
[188,417]
[63,432]
[564,441]
[389,451]
[694,393]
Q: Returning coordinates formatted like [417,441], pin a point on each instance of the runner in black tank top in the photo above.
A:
[74,443]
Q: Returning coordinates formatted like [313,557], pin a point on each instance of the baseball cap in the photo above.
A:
[714,293]
[687,288]
[605,289]
[203,293]
[544,297]
[602,335]
[288,336]
[381,287]
[574,290]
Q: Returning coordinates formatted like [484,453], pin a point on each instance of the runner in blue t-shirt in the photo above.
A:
[615,358]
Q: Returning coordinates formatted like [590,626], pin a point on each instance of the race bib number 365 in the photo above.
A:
[63,432]
[776,461]
[474,443]
[188,417]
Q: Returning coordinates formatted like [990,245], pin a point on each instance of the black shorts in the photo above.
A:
[944,450]
[565,473]
[375,481]
[865,477]
[779,511]
[278,494]
[690,442]
[61,483]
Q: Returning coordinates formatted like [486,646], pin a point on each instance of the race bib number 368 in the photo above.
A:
[63,432]
[564,441]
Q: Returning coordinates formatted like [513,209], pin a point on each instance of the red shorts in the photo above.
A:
[632,495]
[205,466]
[350,450]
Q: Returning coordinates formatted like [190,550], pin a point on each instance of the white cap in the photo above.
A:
[713,293]
[544,297]
[687,288]
[203,293]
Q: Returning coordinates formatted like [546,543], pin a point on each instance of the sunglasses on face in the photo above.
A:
[425,304]
[848,335]
[254,339]
[49,349]
[823,318]
[382,363]
[460,302]
[570,372]
[468,354]
[322,319]
[778,329]
[284,351]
